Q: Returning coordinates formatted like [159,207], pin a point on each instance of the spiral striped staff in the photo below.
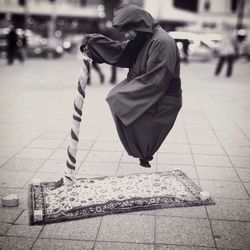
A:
[69,175]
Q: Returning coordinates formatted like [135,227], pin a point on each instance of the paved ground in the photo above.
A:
[210,142]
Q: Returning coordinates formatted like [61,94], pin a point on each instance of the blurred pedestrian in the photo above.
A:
[144,105]
[13,50]
[97,68]
[227,51]
[24,46]
[185,48]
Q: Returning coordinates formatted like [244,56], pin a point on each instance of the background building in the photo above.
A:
[79,15]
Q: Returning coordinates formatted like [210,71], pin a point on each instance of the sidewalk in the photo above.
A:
[210,142]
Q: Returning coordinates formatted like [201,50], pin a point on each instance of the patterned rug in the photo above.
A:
[53,202]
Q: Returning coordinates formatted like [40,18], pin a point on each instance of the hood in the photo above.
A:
[132,17]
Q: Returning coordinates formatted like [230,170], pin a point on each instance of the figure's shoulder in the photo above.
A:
[161,37]
[162,40]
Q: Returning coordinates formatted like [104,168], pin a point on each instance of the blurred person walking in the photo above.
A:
[144,105]
[185,47]
[227,51]
[97,68]
[13,49]
[23,46]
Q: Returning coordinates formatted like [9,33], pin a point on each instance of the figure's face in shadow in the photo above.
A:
[130,35]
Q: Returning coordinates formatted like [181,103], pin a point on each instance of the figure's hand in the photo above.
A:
[86,37]
[84,48]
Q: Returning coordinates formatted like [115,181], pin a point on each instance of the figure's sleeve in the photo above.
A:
[144,91]
[106,50]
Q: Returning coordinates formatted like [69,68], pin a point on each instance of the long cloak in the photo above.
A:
[144,105]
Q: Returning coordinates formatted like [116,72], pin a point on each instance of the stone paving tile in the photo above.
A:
[13,180]
[35,153]
[222,125]
[183,231]
[168,158]
[199,138]
[62,244]
[207,149]
[98,156]
[54,166]
[200,125]
[109,136]
[240,161]
[188,212]
[143,212]
[45,143]
[23,198]
[224,189]
[46,177]
[178,139]
[4,227]
[135,229]
[217,174]
[236,138]
[107,146]
[85,229]
[23,165]
[23,219]
[9,214]
[98,168]
[122,246]
[3,160]
[131,160]
[212,160]
[244,174]
[82,145]
[226,209]
[188,170]
[128,168]
[24,231]
[233,235]
[247,186]
[17,143]
[61,154]
[175,247]
[232,150]
[53,134]
[175,148]
[8,152]
[8,243]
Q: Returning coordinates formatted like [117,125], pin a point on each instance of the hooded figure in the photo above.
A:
[144,105]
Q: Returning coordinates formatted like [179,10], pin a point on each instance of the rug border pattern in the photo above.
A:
[114,207]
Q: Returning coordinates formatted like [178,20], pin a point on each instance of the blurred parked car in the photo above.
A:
[198,51]
[212,41]
[37,45]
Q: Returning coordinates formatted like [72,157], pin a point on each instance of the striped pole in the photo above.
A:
[69,175]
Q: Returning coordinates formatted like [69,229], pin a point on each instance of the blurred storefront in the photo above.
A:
[83,15]
[68,20]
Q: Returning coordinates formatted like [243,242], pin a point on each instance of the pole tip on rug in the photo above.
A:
[11,200]
[205,195]
[67,182]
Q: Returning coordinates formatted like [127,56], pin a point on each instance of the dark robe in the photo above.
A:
[145,105]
